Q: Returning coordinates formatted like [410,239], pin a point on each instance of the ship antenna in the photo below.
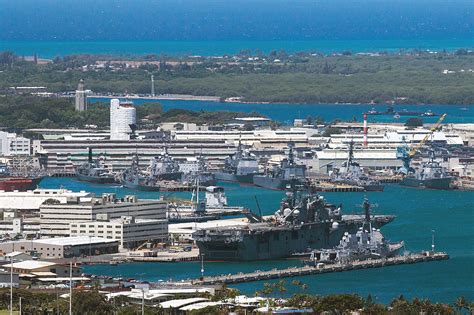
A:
[258,207]
[432,241]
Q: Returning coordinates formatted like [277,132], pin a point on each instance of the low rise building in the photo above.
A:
[33,199]
[39,268]
[55,219]
[62,247]
[11,144]
[128,231]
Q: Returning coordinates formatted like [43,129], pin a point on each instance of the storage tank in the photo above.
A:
[122,115]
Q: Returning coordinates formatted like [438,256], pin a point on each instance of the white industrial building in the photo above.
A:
[56,218]
[11,144]
[129,231]
[62,247]
[33,199]
[122,115]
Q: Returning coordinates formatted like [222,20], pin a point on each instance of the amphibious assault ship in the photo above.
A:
[303,221]
[94,172]
[430,175]
[279,177]
[240,167]
[351,173]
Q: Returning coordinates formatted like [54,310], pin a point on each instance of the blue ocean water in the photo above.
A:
[418,212]
[286,113]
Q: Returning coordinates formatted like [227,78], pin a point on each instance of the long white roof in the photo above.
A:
[74,240]
[181,302]
[30,264]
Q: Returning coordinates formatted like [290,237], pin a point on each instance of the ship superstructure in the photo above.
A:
[280,176]
[351,173]
[240,167]
[94,171]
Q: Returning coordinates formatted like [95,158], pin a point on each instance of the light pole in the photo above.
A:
[19,312]
[70,287]
[433,241]
[143,301]
[202,266]
[11,284]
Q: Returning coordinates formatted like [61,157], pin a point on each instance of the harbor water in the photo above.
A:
[419,212]
[286,113]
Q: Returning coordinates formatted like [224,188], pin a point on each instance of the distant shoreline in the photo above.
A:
[50,49]
[186,97]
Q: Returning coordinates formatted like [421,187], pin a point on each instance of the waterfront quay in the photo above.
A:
[322,268]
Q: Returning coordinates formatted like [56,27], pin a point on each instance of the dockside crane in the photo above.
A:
[406,153]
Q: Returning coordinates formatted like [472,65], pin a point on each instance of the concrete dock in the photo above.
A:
[322,268]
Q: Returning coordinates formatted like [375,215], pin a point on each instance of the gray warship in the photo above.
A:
[303,221]
[430,175]
[279,177]
[351,173]
[94,172]
[240,167]
[196,169]
[164,167]
[136,179]
[367,243]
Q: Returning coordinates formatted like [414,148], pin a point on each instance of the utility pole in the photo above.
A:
[19,312]
[202,266]
[11,284]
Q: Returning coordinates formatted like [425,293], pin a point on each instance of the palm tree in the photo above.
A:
[461,303]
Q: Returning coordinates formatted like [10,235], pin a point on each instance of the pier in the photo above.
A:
[323,186]
[322,268]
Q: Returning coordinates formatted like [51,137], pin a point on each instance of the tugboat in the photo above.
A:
[367,243]
[304,220]
[94,172]
[351,173]
[430,175]
[240,167]
[134,178]
[279,177]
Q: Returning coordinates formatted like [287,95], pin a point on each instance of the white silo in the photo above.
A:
[122,115]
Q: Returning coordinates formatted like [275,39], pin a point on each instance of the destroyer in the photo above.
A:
[134,178]
[304,220]
[196,169]
[93,171]
[351,173]
[240,167]
[280,176]
[430,175]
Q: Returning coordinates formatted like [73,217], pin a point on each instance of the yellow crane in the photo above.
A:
[406,154]
[422,142]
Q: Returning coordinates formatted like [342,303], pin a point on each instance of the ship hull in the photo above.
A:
[434,183]
[228,177]
[95,179]
[270,182]
[13,183]
[373,187]
[135,186]
[275,244]
[176,176]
